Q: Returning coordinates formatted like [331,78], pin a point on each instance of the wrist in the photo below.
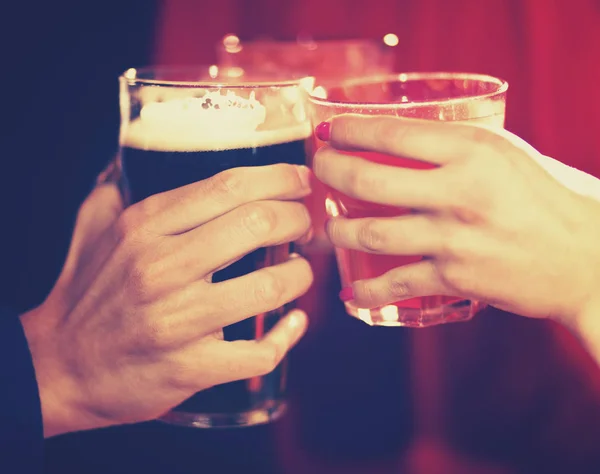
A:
[56,390]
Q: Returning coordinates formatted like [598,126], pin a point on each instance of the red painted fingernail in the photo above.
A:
[347,294]
[323,131]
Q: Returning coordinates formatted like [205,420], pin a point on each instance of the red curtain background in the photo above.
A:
[507,381]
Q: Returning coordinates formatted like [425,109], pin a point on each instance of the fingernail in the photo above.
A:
[323,131]
[295,319]
[308,236]
[294,255]
[347,294]
[304,174]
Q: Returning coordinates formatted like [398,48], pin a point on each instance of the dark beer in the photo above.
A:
[158,159]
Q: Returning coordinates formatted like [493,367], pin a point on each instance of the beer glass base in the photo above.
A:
[392,315]
[269,412]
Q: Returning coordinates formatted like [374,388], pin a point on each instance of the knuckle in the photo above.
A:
[455,277]
[470,200]
[387,131]
[156,333]
[371,237]
[485,142]
[479,135]
[399,288]
[360,181]
[228,182]
[259,219]
[128,222]
[269,290]
[468,214]
[133,221]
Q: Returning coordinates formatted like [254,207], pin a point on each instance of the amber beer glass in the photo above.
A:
[448,97]
[179,126]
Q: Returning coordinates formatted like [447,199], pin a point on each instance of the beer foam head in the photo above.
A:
[215,121]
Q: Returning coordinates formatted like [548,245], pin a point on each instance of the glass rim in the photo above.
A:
[309,40]
[406,77]
[131,77]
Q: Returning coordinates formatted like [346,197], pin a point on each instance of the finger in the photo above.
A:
[239,360]
[201,308]
[412,234]
[431,141]
[190,206]
[382,184]
[408,281]
[217,244]
[239,232]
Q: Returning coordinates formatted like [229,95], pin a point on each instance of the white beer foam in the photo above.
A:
[214,121]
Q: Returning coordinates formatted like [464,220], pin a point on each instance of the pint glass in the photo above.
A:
[179,126]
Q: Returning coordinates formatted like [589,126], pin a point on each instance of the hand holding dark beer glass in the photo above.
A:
[180,126]
[492,223]
[134,324]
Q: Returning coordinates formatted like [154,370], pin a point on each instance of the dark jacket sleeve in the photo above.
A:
[21,432]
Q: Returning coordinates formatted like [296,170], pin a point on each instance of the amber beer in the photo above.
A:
[356,265]
[433,96]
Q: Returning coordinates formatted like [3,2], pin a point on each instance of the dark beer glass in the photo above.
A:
[179,126]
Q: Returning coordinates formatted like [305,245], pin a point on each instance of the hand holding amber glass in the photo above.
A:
[492,224]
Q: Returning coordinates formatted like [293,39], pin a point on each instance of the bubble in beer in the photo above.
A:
[232,44]
[213,108]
